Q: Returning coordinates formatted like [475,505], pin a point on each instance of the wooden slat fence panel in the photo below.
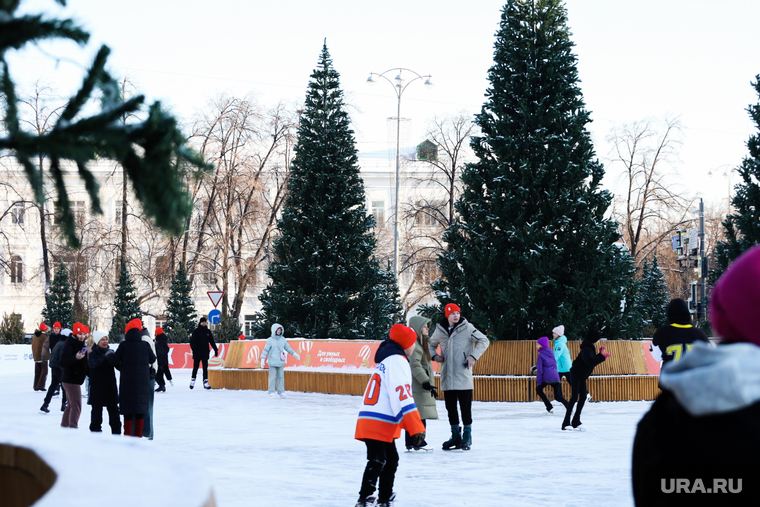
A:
[487,388]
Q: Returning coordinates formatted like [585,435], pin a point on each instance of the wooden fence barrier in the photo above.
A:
[487,388]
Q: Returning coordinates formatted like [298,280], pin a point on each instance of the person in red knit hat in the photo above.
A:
[162,351]
[388,407]
[461,345]
[701,433]
[133,358]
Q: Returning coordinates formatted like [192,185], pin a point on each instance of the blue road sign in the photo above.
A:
[214,316]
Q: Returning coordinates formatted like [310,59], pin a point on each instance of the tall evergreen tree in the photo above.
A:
[125,306]
[228,329]
[181,317]
[653,294]
[58,305]
[742,227]
[326,281]
[532,248]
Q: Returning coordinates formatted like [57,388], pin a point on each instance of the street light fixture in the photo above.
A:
[728,174]
[399,84]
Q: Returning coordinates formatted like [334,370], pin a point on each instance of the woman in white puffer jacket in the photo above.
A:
[276,349]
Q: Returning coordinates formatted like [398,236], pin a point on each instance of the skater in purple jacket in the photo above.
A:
[546,374]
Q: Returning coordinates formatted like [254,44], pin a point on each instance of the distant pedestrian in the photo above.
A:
[561,352]
[583,365]
[461,345]
[103,390]
[162,353]
[55,375]
[200,341]
[671,342]
[388,407]
[546,375]
[148,425]
[423,380]
[701,434]
[74,370]
[40,359]
[53,339]
[277,350]
[133,358]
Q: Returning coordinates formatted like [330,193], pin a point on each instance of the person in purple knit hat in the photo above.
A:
[697,444]
[546,374]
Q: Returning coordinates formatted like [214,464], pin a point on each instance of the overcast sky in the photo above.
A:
[694,59]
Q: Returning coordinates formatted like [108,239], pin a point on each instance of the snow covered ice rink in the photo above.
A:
[300,451]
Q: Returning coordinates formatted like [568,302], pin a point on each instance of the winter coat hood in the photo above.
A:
[387,349]
[275,327]
[562,340]
[714,380]
[592,336]
[677,312]
[417,323]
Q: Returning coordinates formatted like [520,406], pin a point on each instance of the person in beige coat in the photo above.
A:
[423,380]
[41,356]
[461,345]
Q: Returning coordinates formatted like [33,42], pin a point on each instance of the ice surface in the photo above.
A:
[300,450]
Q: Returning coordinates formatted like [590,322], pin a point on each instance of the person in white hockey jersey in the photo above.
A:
[387,408]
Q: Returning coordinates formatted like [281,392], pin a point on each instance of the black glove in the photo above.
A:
[437,358]
[533,369]
[432,389]
[418,438]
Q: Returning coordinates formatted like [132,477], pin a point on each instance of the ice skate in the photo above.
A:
[272,395]
[579,428]
[467,439]
[44,408]
[161,389]
[192,383]
[171,383]
[388,503]
[366,502]
[206,384]
[455,442]
[283,395]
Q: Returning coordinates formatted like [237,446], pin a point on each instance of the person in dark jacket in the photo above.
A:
[162,352]
[580,371]
[40,357]
[132,358]
[670,342]
[700,435]
[547,375]
[199,343]
[55,377]
[103,391]
[73,372]
[52,340]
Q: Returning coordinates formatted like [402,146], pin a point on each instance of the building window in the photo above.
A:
[248,326]
[17,214]
[77,209]
[378,210]
[163,269]
[17,269]
[208,276]
[117,209]
[76,267]
[424,218]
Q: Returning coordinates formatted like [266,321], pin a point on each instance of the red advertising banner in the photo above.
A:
[335,353]
[180,355]
[653,367]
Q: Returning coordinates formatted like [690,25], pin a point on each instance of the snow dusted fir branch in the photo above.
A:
[152,152]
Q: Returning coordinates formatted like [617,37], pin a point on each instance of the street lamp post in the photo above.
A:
[726,173]
[399,84]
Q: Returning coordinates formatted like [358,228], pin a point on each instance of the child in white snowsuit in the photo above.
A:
[277,349]
[387,408]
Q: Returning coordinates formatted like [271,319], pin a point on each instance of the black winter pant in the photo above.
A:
[196,363]
[579,394]
[114,421]
[465,403]
[55,382]
[163,371]
[382,462]
[408,438]
[557,387]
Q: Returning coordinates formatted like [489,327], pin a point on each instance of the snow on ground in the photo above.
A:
[300,450]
